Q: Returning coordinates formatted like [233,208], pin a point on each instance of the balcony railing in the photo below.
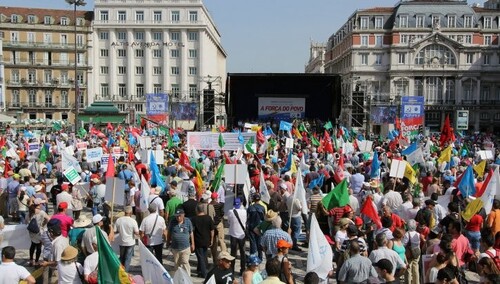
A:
[44,63]
[38,105]
[43,45]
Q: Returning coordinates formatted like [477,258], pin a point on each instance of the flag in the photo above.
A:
[300,193]
[198,183]
[3,141]
[70,161]
[296,132]
[338,197]
[184,161]
[319,251]
[288,165]
[110,170]
[181,277]
[410,149]
[44,153]
[109,269]
[466,185]
[416,157]
[109,127]
[445,155]
[327,143]
[317,181]
[268,131]
[260,137]
[145,191]
[28,134]
[56,125]
[249,145]
[240,138]
[328,125]
[155,172]
[479,168]
[285,126]
[338,173]
[221,141]
[446,132]
[227,158]
[375,171]
[410,173]
[273,143]
[111,141]
[264,193]
[218,177]
[293,168]
[82,132]
[492,190]
[314,141]
[123,145]
[302,128]
[368,209]
[151,269]
[211,280]
[7,168]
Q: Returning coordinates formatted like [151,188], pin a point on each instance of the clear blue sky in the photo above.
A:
[264,35]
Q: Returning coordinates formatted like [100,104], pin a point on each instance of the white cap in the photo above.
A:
[96,219]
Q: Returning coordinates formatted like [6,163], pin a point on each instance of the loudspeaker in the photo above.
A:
[208,107]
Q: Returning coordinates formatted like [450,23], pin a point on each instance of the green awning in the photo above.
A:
[103,119]
[101,108]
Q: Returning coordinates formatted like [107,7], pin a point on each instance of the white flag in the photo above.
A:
[300,192]
[211,280]
[264,193]
[303,165]
[145,191]
[152,270]
[194,153]
[181,277]
[415,157]
[320,255]
[68,161]
[263,147]
[246,189]
[492,190]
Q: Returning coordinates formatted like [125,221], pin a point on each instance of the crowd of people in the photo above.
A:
[379,233]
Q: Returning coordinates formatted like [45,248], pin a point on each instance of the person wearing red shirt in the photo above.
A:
[472,231]
[66,221]
[426,181]
[397,222]
[459,243]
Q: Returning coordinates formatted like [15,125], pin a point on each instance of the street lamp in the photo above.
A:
[76,3]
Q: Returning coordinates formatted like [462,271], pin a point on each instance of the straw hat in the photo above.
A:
[270,215]
[69,253]
[82,222]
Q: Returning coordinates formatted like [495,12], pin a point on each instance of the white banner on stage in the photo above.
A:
[210,140]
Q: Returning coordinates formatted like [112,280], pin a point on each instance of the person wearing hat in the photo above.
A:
[266,224]
[68,269]
[127,229]
[237,218]
[385,270]
[255,215]
[222,272]
[66,221]
[425,216]
[357,268]
[282,255]
[90,234]
[10,272]
[40,195]
[97,193]
[252,274]
[154,198]
[180,239]
[41,218]
[13,191]
[65,196]
[189,206]
[75,235]
[173,203]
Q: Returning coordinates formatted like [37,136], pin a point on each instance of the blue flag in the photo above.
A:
[375,171]
[111,141]
[285,126]
[288,164]
[131,139]
[175,138]
[155,173]
[28,134]
[390,136]
[268,131]
[412,148]
[240,138]
[317,182]
[466,185]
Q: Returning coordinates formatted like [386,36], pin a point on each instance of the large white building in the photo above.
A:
[155,46]
[443,50]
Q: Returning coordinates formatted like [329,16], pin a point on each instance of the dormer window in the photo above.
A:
[420,21]
[452,19]
[487,22]
[80,21]
[467,21]
[64,21]
[47,20]
[403,21]
[14,18]
[31,19]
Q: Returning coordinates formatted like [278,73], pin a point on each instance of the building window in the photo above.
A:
[31,76]
[379,40]
[378,58]
[193,91]
[435,54]
[364,58]
[64,77]
[14,18]
[403,21]
[364,40]
[487,40]
[434,89]
[175,90]
[122,16]
[467,21]
[32,98]
[470,57]
[47,76]
[174,70]
[104,16]
[193,70]
[485,93]
[484,116]
[122,70]
[122,53]
[47,20]
[364,23]
[175,16]
[420,21]
[379,22]
[156,53]
[122,90]
[175,36]
[436,20]
[192,36]
[139,70]
[14,76]
[103,35]
[468,39]
[31,19]
[486,59]
[120,107]
[139,90]
[157,16]
[157,88]
[104,53]
[121,35]
[104,90]
[104,70]
[401,58]
[403,39]
[139,107]
[139,53]
[15,98]
[139,16]
[64,99]
[174,53]
[14,37]
[139,35]
[48,98]
[156,70]
[193,16]
[193,53]
[80,21]
[64,21]
[487,22]
[158,36]
[452,21]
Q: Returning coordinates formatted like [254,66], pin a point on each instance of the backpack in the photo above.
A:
[33,226]
[495,258]
[87,176]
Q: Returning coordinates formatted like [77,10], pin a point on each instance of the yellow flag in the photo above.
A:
[472,208]
[479,168]
[410,173]
[293,167]
[123,145]
[255,128]
[445,155]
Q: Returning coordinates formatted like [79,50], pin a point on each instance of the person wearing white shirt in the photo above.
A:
[383,252]
[68,269]
[154,199]
[237,219]
[126,229]
[91,261]
[10,272]
[392,199]
[155,229]
[413,239]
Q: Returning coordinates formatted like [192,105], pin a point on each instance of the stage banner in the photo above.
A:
[412,115]
[157,108]
[281,108]
[210,140]
[184,111]
[383,114]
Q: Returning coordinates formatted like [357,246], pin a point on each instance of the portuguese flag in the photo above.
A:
[109,269]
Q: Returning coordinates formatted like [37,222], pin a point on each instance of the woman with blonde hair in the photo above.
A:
[486,266]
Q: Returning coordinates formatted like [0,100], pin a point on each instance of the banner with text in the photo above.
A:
[412,115]
[281,108]
[157,108]
[210,140]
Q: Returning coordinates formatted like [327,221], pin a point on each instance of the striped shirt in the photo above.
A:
[313,202]
[270,240]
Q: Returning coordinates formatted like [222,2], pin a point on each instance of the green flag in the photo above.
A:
[302,128]
[221,141]
[249,144]
[56,125]
[338,197]
[273,143]
[328,125]
[165,130]
[314,141]
[218,177]
[82,132]
[109,269]
[44,153]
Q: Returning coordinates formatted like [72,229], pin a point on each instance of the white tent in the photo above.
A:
[5,118]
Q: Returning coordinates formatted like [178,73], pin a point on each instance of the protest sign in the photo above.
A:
[94,154]
[33,147]
[72,175]
[289,143]
[81,146]
[118,187]
[235,173]
[145,142]
[16,236]
[210,140]
[397,169]
[365,146]
[159,157]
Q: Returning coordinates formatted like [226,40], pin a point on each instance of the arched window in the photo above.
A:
[435,54]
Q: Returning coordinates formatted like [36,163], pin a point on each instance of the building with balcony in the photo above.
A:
[316,62]
[2,80]
[155,46]
[39,60]
[443,50]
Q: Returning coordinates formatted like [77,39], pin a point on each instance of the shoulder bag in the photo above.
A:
[146,238]
[239,221]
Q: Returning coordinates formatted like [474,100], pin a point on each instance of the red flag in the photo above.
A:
[184,161]
[338,174]
[198,183]
[7,168]
[260,137]
[340,132]
[446,132]
[143,123]
[222,128]
[110,170]
[397,124]
[96,132]
[109,127]
[369,210]
[227,158]
[459,179]
[328,146]
[3,141]
[480,192]
[131,155]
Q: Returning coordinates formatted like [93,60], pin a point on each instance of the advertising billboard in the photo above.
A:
[412,115]
[281,108]
[157,107]
[462,120]
[383,114]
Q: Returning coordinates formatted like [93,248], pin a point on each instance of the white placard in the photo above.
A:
[235,173]
[159,157]
[145,156]
[72,175]
[119,190]
[70,150]
[145,142]
[397,169]
[16,236]
[33,147]
[485,155]
[289,143]
[210,140]
[117,151]
[81,146]
[94,154]
[365,146]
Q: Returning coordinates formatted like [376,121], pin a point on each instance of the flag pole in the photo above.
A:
[112,202]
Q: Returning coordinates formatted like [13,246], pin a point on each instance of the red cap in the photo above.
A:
[64,186]
[63,205]
[347,209]
[358,221]
[214,195]
[283,244]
